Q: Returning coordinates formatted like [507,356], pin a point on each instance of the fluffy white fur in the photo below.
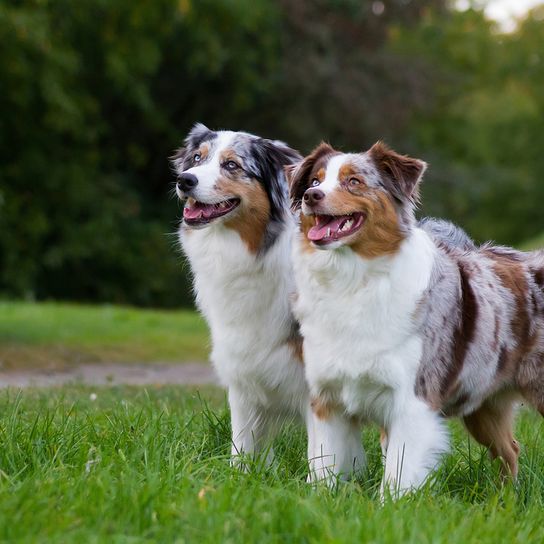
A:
[347,307]
[245,300]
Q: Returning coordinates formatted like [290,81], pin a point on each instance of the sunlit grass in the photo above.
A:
[152,466]
[52,334]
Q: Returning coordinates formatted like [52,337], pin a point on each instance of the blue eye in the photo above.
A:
[315,182]
[354,181]
[197,157]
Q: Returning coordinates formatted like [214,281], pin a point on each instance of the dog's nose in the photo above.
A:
[313,196]
[187,181]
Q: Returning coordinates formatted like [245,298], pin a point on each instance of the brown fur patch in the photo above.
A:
[463,335]
[297,346]
[323,408]
[320,174]
[347,171]
[511,274]
[306,223]
[381,234]
[229,155]
[251,218]
[296,343]
[384,441]
[204,150]
[491,425]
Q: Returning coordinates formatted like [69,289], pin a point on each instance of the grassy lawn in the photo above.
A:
[152,466]
[52,334]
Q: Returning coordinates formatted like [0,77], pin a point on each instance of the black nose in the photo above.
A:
[313,196]
[187,181]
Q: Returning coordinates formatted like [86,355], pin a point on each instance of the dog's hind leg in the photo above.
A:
[531,382]
[535,396]
[492,426]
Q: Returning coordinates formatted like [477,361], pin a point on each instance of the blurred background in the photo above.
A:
[96,94]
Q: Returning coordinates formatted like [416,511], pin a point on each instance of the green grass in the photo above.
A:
[152,466]
[51,334]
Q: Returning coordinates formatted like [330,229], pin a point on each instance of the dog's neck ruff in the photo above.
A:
[244,297]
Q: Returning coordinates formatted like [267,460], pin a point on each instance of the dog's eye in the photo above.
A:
[197,157]
[354,181]
[231,165]
[315,182]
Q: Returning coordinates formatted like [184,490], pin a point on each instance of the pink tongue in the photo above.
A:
[198,210]
[324,223]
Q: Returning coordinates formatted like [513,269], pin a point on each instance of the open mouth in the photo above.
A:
[329,228]
[199,213]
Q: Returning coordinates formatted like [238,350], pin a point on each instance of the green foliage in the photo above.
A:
[96,94]
[152,466]
[482,130]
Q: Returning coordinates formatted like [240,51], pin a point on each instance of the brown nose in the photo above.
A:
[313,196]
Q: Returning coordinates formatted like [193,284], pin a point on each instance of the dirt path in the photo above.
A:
[113,374]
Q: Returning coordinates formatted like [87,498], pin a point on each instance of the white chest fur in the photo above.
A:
[357,319]
[245,300]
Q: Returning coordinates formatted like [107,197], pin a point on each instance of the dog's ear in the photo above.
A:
[401,174]
[269,158]
[298,174]
[177,159]
[197,135]
[280,153]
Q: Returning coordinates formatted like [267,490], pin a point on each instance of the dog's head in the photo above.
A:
[362,200]
[233,179]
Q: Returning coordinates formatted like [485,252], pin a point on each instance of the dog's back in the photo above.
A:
[446,232]
[486,304]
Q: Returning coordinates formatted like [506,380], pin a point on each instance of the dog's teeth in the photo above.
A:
[328,232]
[347,225]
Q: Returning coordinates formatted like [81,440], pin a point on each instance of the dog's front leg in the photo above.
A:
[417,437]
[334,447]
[251,430]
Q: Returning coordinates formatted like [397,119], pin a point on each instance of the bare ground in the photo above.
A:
[112,374]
